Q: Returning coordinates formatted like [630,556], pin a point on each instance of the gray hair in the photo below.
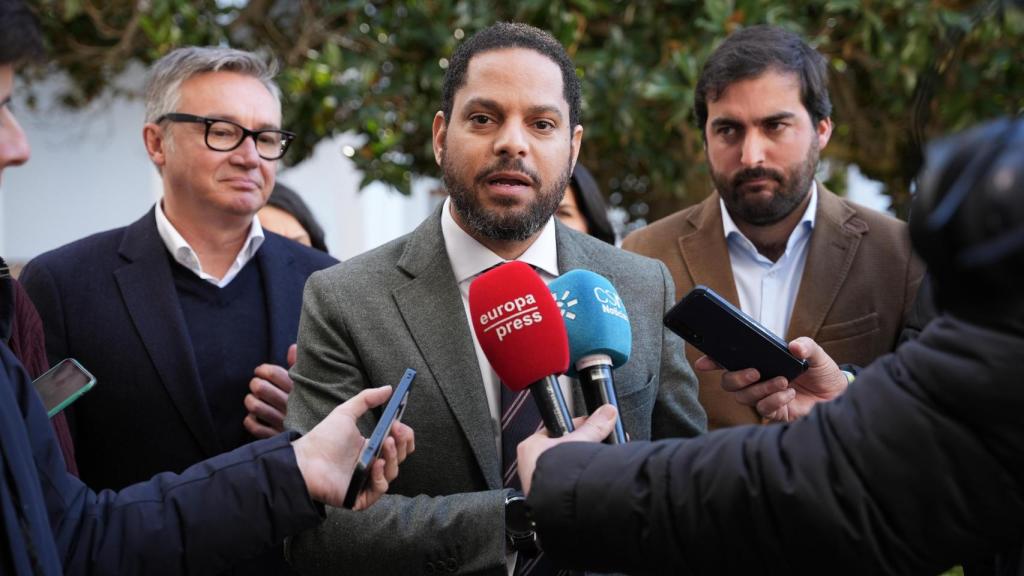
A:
[163,85]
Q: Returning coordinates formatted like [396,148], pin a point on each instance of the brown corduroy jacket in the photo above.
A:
[859,282]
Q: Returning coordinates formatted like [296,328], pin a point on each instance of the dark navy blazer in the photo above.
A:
[109,301]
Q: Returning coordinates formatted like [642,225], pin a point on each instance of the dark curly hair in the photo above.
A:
[511,35]
[20,39]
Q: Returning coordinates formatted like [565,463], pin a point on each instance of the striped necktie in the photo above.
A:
[520,418]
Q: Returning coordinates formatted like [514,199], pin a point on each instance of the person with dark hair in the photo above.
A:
[506,140]
[20,326]
[214,514]
[22,42]
[915,466]
[19,43]
[504,36]
[583,208]
[288,215]
[801,260]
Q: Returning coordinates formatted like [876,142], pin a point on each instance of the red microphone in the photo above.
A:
[521,332]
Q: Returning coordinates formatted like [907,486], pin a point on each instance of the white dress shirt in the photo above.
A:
[469,259]
[184,254]
[767,290]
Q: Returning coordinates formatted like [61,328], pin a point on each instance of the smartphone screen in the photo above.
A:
[62,385]
[392,413]
[730,337]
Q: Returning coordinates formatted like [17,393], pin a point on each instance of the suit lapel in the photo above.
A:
[705,252]
[147,288]
[431,306]
[833,247]
[573,254]
[283,287]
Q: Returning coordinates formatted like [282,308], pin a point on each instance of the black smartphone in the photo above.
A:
[730,337]
[61,385]
[392,413]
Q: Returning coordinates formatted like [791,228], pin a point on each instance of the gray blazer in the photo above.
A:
[365,321]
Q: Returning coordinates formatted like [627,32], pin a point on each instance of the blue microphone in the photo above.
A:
[599,337]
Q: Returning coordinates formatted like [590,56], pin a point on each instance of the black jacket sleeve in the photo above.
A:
[919,466]
[215,513]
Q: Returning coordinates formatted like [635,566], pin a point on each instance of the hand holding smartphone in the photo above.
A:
[730,337]
[392,413]
[61,385]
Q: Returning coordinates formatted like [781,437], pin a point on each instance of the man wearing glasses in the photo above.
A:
[185,317]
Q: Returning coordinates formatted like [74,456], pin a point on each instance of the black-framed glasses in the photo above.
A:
[225,135]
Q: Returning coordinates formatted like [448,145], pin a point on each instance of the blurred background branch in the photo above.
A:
[902,71]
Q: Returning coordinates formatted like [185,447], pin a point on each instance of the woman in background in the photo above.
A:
[286,214]
[583,207]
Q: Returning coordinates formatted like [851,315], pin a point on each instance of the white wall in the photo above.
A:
[89,172]
[355,220]
[866,192]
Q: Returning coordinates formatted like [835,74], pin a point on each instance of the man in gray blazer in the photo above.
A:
[506,139]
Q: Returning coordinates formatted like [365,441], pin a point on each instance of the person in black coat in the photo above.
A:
[202,521]
[918,465]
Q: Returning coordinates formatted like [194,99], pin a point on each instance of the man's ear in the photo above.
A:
[577,140]
[824,130]
[156,143]
[440,131]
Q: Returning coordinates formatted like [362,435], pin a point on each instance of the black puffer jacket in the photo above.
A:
[918,466]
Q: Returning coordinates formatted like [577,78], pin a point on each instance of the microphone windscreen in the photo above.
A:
[518,325]
[595,318]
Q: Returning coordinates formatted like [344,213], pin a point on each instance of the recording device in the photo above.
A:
[730,337]
[522,334]
[600,337]
[967,221]
[61,385]
[392,413]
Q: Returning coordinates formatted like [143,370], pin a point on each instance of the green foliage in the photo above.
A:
[903,71]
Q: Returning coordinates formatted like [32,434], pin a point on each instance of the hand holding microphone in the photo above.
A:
[600,337]
[522,334]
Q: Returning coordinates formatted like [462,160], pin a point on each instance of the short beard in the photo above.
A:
[503,225]
[794,186]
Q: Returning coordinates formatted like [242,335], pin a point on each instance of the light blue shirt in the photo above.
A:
[767,290]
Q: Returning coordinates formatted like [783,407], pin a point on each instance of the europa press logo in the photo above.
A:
[565,304]
[511,316]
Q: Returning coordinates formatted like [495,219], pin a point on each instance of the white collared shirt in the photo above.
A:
[184,254]
[469,259]
[767,290]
